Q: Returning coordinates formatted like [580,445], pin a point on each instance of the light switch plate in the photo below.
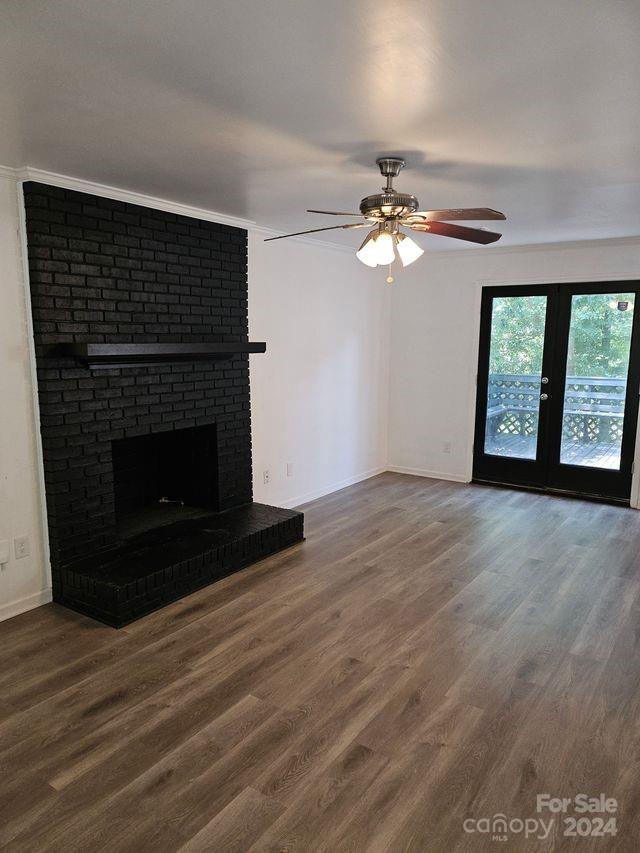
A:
[4,551]
[21,546]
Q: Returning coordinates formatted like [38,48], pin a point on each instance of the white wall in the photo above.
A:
[319,394]
[434,337]
[24,583]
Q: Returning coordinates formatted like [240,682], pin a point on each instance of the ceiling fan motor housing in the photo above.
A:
[388,204]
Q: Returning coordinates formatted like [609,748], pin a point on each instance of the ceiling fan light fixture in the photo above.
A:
[408,249]
[384,248]
[367,252]
[377,249]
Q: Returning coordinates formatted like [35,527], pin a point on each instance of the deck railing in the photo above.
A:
[593,406]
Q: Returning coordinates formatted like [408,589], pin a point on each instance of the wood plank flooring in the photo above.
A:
[433,653]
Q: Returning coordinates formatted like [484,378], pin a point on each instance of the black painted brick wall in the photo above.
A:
[107,271]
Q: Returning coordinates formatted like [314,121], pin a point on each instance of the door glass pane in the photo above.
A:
[596,380]
[515,368]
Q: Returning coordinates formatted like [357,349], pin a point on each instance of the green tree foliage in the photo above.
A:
[598,342]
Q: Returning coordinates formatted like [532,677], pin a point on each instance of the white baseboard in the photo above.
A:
[14,608]
[435,475]
[334,487]
[366,475]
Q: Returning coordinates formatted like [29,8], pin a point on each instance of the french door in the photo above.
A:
[558,383]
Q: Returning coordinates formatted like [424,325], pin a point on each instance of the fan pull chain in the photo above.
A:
[389,277]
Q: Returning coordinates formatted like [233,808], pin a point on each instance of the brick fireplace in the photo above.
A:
[147,466]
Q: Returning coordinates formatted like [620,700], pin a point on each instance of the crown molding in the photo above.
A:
[29,173]
[573,278]
[488,251]
[9,174]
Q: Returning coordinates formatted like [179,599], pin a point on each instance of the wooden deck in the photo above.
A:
[591,454]
[591,405]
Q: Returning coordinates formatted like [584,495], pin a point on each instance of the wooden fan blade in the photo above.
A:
[458,232]
[478,213]
[314,230]
[334,213]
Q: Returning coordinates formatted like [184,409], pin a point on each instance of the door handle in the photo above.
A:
[544,396]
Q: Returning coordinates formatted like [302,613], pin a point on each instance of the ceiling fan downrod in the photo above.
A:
[390,168]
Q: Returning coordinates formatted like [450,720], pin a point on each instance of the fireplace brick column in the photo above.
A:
[104,271]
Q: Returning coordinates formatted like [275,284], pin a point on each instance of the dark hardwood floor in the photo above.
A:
[434,652]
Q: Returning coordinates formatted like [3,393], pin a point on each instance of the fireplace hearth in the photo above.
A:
[151,566]
[141,338]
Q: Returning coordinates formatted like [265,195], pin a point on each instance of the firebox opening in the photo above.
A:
[165,477]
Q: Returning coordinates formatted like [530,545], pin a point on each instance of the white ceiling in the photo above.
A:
[262,108]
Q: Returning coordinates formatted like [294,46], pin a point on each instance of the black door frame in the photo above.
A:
[545,472]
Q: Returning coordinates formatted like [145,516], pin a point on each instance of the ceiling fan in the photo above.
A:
[391,210]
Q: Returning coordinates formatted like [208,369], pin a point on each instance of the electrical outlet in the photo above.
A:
[4,553]
[21,546]
[446,447]
[289,469]
[266,476]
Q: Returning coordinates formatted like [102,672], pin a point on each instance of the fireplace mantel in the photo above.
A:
[96,356]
